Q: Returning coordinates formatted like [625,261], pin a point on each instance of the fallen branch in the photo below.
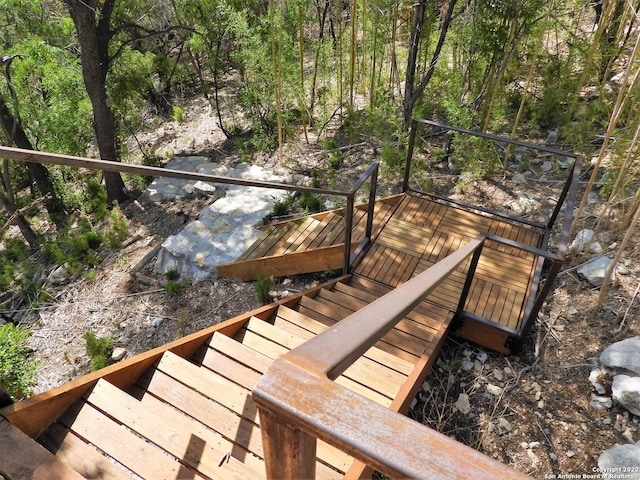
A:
[624,318]
[146,259]
[21,211]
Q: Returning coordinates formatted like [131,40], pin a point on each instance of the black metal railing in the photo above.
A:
[539,287]
[31,156]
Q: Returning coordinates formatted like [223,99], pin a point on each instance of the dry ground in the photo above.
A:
[535,415]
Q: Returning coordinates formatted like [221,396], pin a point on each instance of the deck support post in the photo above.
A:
[289,454]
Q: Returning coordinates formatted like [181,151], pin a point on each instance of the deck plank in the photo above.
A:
[413,346]
[365,371]
[181,436]
[274,350]
[375,353]
[83,458]
[132,450]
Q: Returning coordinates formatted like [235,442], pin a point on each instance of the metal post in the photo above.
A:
[348,219]
[372,203]
[467,283]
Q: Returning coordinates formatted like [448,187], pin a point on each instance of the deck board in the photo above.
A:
[423,232]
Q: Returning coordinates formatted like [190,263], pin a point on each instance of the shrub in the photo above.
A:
[118,229]
[99,350]
[17,366]
[172,274]
[281,207]
[309,202]
[177,114]
[172,287]
[263,286]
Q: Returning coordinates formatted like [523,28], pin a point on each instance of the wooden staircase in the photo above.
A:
[195,417]
[310,244]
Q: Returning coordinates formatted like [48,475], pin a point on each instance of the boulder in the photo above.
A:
[626,391]
[621,461]
[624,355]
[225,228]
[595,270]
[583,240]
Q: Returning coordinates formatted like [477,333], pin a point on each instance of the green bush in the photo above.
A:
[177,114]
[172,287]
[118,229]
[17,366]
[95,198]
[263,286]
[99,350]
[172,274]
[309,202]
[281,207]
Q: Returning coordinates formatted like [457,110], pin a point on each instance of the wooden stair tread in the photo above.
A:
[319,228]
[366,370]
[426,313]
[181,436]
[326,453]
[137,454]
[375,353]
[22,458]
[273,349]
[292,232]
[263,243]
[407,324]
[83,458]
[411,345]
[233,427]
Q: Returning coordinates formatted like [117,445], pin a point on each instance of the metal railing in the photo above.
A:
[32,156]
[567,198]
[299,403]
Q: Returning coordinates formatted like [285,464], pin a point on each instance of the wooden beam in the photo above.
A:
[23,458]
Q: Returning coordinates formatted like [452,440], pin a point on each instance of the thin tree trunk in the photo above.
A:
[277,75]
[38,172]
[412,93]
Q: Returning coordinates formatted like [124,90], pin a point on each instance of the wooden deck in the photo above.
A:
[423,231]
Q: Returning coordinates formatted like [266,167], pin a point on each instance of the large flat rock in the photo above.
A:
[225,228]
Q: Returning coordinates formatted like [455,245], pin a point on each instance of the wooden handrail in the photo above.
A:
[299,402]
[335,349]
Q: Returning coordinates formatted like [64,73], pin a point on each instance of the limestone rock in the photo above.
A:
[224,229]
[595,378]
[504,426]
[494,390]
[595,270]
[600,403]
[619,459]
[584,238]
[626,391]
[462,404]
[118,354]
[624,355]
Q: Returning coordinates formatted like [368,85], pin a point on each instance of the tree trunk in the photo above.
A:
[94,35]
[38,172]
[412,92]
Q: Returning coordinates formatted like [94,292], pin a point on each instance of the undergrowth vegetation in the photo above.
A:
[17,363]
